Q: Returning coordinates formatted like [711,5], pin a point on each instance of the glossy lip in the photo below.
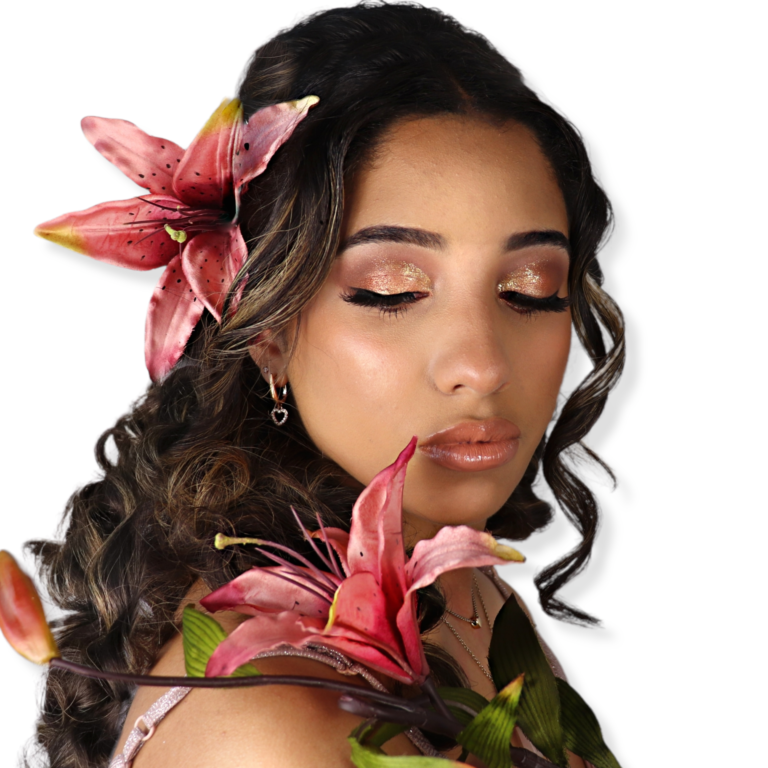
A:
[473,446]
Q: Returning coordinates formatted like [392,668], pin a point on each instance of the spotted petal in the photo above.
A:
[360,604]
[173,314]
[376,533]
[265,589]
[270,630]
[127,233]
[263,134]
[148,160]
[211,261]
[203,178]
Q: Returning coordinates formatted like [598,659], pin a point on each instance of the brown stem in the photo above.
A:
[229,682]
[407,716]
[428,686]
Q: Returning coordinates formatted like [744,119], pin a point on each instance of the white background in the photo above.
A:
[670,99]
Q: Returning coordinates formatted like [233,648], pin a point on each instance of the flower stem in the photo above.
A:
[428,686]
[230,682]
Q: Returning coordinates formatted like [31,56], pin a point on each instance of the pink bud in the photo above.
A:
[22,618]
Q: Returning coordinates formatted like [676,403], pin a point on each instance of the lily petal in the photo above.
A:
[126,233]
[452,547]
[262,136]
[173,314]
[263,589]
[361,605]
[270,630]
[203,178]
[455,547]
[211,262]
[148,160]
[376,533]
[255,635]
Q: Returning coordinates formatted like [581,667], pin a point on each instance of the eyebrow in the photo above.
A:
[393,234]
[435,242]
[538,237]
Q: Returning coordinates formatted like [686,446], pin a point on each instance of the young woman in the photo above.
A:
[419,249]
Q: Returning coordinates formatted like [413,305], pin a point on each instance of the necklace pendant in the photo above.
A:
[475,622]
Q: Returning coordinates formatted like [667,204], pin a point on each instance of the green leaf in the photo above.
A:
[460,700]
[515,650]
[202,635]
[582,731]
[488,736]
[373,757]
[381,732]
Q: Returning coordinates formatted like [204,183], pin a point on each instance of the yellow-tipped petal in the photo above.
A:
[506,553]
[301,104]
[62,234]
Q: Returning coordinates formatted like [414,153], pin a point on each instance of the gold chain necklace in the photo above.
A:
[474,622]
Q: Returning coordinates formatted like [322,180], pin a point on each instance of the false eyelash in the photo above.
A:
[528,305]
[387,303]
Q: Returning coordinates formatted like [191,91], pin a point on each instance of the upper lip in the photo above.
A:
[492,430]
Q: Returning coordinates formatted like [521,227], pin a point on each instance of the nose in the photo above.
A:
[470,353]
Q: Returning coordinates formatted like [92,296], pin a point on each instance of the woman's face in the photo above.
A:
[442,318]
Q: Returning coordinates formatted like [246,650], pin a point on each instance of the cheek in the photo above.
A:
[350,387]
[544,368]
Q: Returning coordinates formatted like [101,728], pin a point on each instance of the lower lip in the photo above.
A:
[472,457]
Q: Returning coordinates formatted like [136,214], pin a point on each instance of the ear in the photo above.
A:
[270,354]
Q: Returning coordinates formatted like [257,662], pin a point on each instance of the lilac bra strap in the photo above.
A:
[145,726]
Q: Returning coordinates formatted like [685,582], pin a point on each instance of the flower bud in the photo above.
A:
[22,619]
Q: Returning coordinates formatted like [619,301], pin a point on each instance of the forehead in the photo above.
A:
[457,175]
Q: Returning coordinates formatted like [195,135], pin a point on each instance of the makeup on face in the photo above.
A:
[391,276]
[473,446]
[537,275]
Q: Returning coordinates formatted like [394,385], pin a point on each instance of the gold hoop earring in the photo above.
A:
[279,412]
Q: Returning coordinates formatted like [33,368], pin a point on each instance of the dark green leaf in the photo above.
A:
[488,736]
[582,731]
[464,703]
[373,757]
[515,650]
[464,696]
[202,635]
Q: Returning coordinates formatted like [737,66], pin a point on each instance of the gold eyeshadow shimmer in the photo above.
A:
[389,278]
[526,280]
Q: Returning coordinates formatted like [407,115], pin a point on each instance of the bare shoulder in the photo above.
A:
[267,726]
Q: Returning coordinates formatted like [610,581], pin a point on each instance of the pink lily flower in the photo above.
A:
[364,604]
[188,221]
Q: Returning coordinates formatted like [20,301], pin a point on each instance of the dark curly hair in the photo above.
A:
[198,454]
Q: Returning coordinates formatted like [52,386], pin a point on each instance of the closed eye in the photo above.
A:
[530,305]
[388,303]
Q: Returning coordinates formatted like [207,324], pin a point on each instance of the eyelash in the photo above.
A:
[387,304]
[392,304]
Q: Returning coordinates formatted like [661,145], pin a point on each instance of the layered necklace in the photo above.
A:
[474,622]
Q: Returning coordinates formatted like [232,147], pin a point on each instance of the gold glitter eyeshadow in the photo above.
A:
[388,277]
[525,280]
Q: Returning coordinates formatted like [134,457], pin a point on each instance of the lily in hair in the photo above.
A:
[363,603]
[188,221]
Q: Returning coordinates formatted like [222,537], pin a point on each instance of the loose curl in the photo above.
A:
[198,453]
